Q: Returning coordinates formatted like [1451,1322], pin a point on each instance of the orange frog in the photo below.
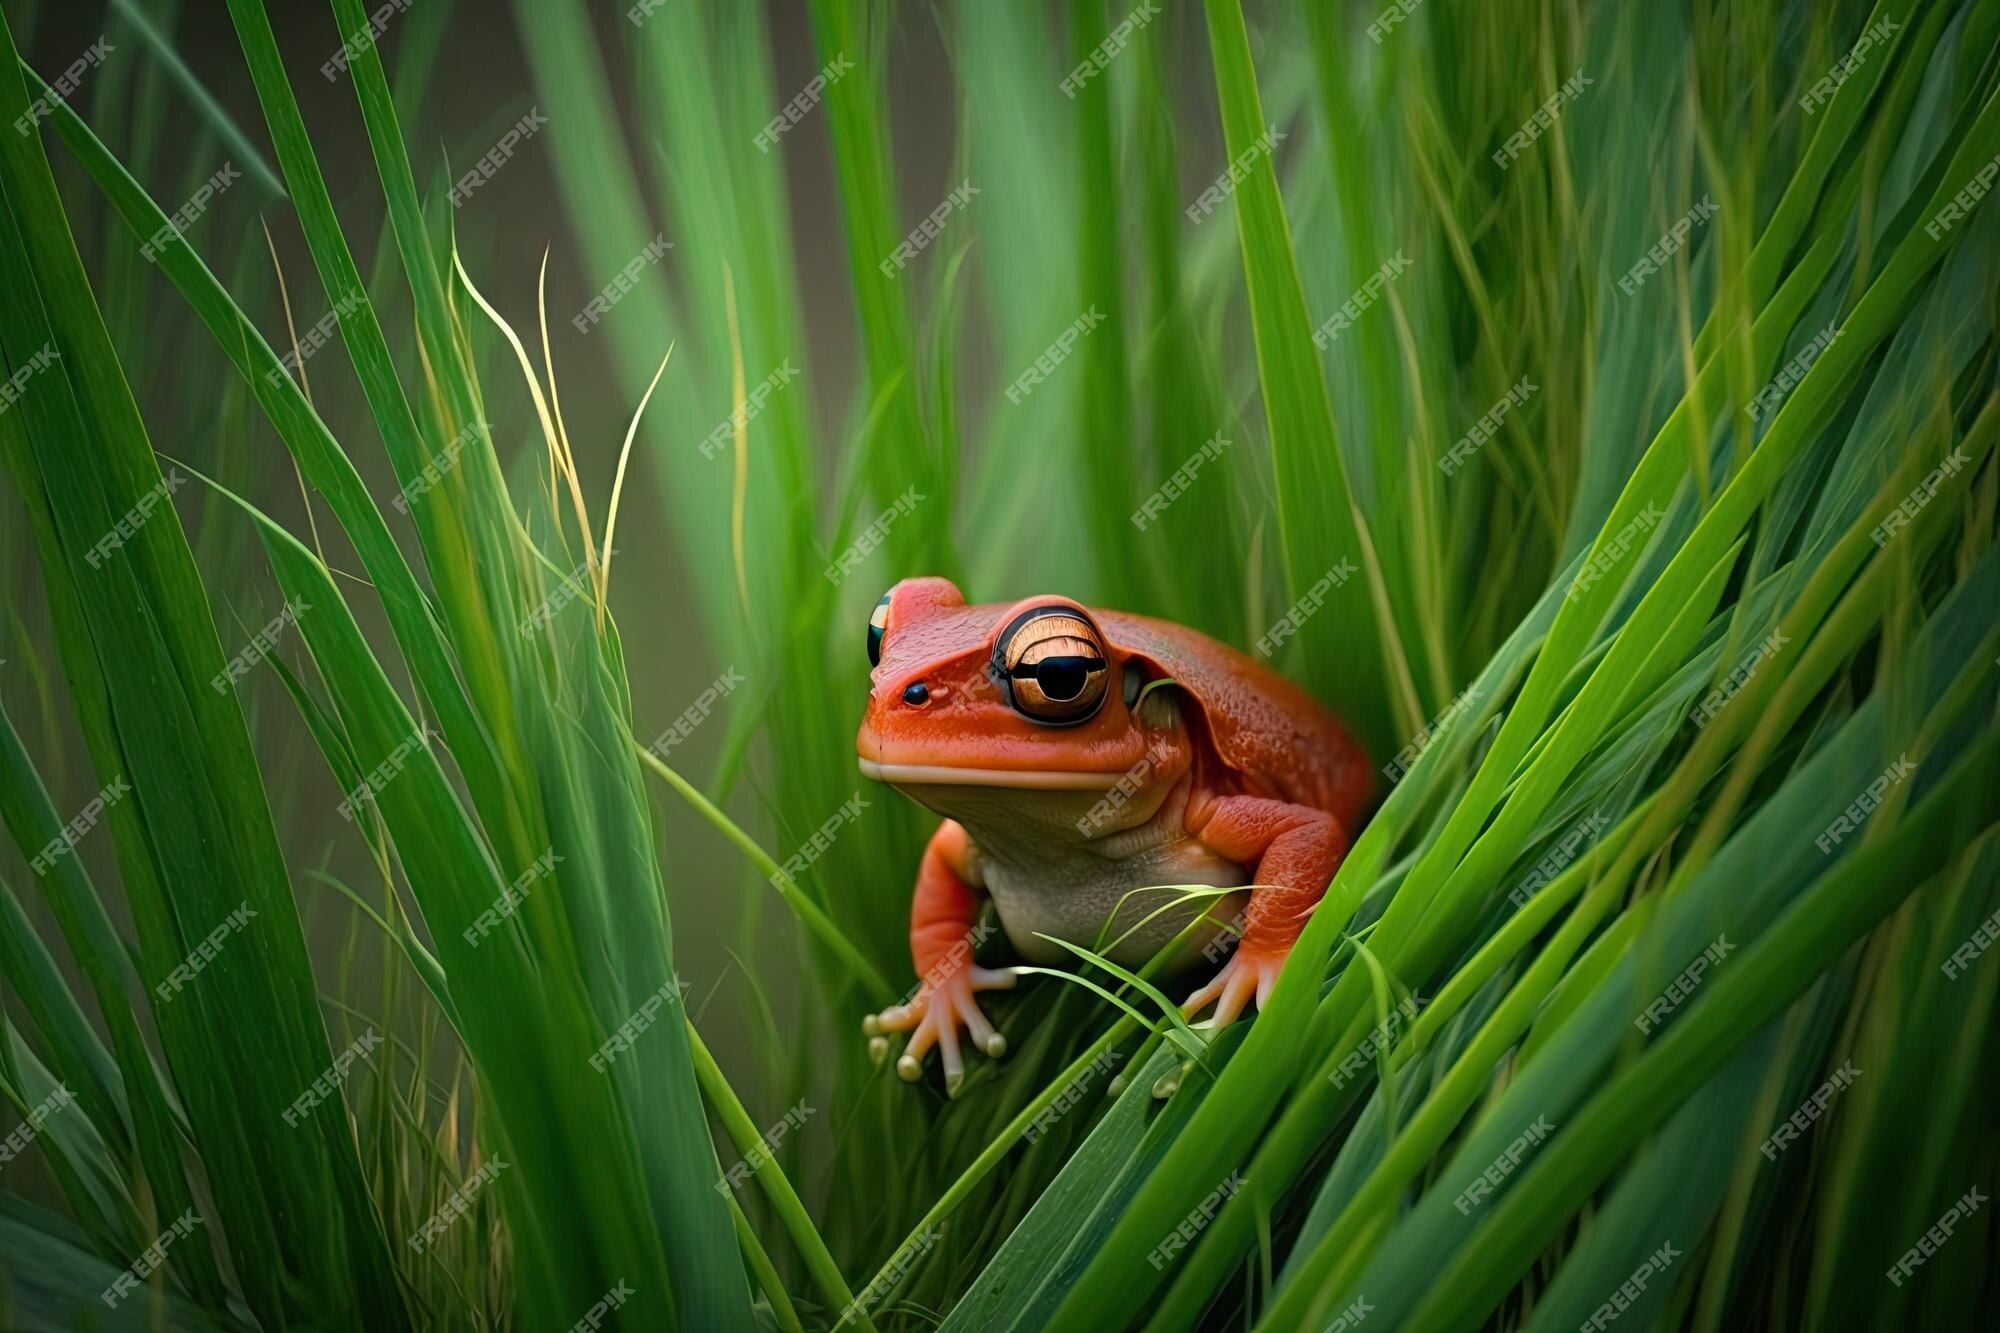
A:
[1080,755]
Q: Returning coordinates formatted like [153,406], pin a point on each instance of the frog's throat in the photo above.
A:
[952,775]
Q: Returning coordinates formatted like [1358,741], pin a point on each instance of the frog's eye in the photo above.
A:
[1054,666]
[878,625]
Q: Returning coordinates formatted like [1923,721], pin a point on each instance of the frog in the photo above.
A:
[1111,780]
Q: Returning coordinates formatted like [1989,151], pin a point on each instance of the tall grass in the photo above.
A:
[1589,902]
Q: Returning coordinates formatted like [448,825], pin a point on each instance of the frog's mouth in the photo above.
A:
[954,775]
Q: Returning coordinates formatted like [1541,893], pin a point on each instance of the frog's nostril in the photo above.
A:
[916,694]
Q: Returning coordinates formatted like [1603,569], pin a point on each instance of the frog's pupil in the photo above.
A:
[1061,678]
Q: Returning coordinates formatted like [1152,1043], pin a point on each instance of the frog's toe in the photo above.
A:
[1237,992]
[910,1067]
[896,1018]
[992,978]
[954,1066]
[982,1032]
[1241,980]
[1204,997]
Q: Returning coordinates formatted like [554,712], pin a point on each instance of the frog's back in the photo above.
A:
[1265,727]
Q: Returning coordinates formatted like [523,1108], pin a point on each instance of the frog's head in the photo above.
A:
[1022,696]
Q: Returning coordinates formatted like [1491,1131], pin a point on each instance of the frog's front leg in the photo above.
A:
[943,912]
[1295,849]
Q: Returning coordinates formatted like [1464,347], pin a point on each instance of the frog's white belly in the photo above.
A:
[1070,891]
[1062,863]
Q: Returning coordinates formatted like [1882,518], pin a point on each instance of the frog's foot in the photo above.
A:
[933,1018]
[1246,974]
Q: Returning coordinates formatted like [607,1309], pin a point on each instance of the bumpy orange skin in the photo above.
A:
[1250,767]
